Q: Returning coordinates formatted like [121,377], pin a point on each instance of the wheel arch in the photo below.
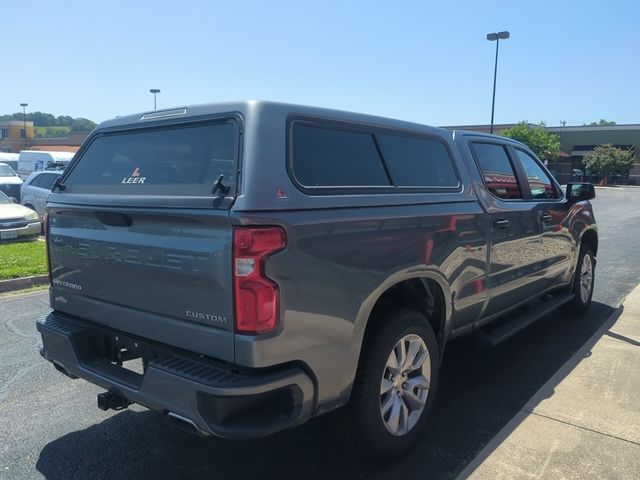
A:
[590,237]
[412,290]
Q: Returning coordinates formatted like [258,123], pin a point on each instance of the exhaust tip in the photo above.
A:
[186,424]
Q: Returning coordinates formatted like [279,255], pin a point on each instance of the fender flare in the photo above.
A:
[419,272]
[590,228]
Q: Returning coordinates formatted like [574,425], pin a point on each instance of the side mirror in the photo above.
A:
[579,192]
[13,200]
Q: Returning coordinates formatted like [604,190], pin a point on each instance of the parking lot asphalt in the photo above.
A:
[51,428]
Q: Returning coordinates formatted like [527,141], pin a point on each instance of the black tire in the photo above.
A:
[581,303]
[372,437]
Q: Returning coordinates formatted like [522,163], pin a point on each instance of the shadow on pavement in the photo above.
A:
[480,391]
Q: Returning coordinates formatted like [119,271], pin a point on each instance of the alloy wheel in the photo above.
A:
[405,385]
[586,278]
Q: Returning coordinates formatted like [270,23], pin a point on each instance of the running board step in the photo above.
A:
[511,327]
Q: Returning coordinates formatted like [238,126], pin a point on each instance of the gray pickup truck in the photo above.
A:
[243,267]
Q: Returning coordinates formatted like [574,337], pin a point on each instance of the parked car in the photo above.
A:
[17,222]
[9,182]
[37,188]
[577,175]
[31,161]
[10,159]
[241,268]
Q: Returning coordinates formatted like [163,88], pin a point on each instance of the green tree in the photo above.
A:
[82,125]
[64,121]
[607,159]
[544,144]
[14,116]
[41,119]
[51,132]
[601,123]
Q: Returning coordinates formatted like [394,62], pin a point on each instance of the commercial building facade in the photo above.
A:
[13,134]
[12,139]
[576,142]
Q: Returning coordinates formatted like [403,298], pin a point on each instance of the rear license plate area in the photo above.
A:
[124,352]
[119,357]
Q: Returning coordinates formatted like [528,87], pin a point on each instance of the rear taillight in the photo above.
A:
[257,301]
[45,225]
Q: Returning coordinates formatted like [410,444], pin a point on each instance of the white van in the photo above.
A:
[35,160]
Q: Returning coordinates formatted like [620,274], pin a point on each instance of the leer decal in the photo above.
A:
[135,177]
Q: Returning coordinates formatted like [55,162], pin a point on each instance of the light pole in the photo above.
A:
[497,37]
[24,122]
[155,91]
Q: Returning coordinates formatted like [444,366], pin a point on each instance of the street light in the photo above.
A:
[495,37]
[24,122]
[155,91]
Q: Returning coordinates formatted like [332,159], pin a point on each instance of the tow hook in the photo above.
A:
[112,401]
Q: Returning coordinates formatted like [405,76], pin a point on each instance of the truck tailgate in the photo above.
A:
[163,274]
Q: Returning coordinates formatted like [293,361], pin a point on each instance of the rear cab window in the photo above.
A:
[180,160]
[329,157]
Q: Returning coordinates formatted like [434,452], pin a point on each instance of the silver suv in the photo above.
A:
[36,189]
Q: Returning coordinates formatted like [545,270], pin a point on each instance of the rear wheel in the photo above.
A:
[583,281]
[396,384]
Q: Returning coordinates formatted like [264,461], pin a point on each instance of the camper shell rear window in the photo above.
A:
[182,160]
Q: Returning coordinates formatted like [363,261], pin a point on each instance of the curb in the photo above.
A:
[542,392]
[21,283]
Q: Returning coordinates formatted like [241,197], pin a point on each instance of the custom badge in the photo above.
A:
[135,177]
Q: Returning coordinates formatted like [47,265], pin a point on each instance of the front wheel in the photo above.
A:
[583,281]
[396,384]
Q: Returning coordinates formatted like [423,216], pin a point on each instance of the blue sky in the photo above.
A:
[423,61]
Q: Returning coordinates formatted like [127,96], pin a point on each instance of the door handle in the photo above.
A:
[501,223]
[546,218]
